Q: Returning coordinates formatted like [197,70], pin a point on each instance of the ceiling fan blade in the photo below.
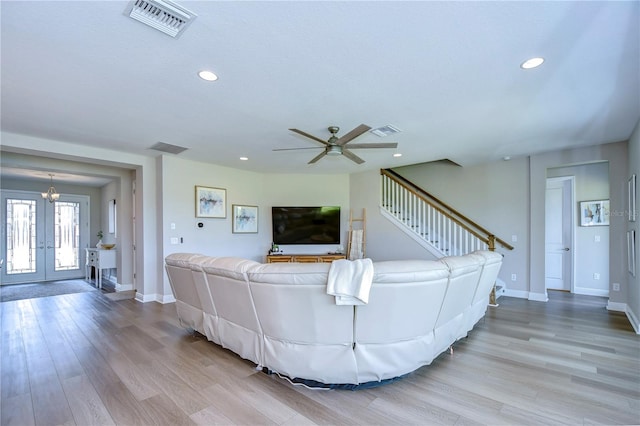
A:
[353,134]
[319,156]
[372,145]
[300,132]
[295,149]
[351,156]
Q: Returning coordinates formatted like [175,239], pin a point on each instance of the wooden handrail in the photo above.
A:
[449,211]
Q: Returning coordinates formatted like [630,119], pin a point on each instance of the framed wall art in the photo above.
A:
[245,219]
[211,202]
[594,213]
[632,198]
[112,216]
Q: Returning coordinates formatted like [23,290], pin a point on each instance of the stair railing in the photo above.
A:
[447,230]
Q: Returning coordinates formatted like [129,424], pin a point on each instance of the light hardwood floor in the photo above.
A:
[84,359]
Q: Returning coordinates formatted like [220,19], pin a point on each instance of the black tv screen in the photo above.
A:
[306,225]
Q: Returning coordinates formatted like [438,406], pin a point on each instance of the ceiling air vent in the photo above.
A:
[163,15]
[385,130]
[167,147]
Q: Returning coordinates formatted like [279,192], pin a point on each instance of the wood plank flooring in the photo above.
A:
[84,359]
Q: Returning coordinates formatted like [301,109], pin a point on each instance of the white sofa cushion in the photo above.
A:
[210,315]
[491,263]
[188,302]
[463,281]
[394,332]
[238,326]
[306,334]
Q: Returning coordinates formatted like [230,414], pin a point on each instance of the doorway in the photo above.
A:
[559,223]
[42,241]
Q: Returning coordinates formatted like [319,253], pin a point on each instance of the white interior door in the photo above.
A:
[42,241]
[559,234]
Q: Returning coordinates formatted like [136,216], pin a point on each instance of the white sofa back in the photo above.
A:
[188,301]
[394,331]
[304,330]
[280,316]
[210,315]
[238,326]
[463,281]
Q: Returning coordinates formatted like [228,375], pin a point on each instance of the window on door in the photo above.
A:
[21,236]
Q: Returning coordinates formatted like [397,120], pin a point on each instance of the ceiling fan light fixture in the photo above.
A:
[334,150]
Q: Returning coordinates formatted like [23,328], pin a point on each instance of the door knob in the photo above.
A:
[566,249]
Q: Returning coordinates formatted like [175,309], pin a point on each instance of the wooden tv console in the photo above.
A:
[304,258]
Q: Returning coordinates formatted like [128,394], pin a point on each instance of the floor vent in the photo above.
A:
[168,148]
[163,15]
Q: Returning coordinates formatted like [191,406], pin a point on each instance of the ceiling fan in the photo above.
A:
[340,145]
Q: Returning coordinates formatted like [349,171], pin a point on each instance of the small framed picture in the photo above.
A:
[245,219]
[594,213]
[211,202]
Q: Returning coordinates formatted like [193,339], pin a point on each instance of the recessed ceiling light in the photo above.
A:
[244,158]
[207,75]
[532,63]
[397,154]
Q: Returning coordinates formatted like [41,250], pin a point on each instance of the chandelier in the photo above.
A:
[51,193]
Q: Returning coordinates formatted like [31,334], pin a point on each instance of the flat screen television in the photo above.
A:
[306,225]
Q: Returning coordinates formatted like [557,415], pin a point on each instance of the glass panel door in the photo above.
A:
[23,237]
[42,241]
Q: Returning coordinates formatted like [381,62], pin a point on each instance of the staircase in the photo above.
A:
[437,227]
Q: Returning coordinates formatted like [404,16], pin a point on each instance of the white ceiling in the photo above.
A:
[445,73]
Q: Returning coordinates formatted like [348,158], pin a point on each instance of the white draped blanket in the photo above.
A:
[350,281]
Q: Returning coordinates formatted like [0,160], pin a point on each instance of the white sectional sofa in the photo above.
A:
[279,315]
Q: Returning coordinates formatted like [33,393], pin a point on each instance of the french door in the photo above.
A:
[43,241]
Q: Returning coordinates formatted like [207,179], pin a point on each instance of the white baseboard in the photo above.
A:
[633,319]
[144,298]
[520,294]
[591,291]
[631,316]
[539,297]
[167,298]
[124,287]
[523,294]
[616,306]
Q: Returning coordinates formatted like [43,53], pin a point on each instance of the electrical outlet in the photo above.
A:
[616,286]
[514,238]
[596,276]
[596,238]
[174,240]
[513,277]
